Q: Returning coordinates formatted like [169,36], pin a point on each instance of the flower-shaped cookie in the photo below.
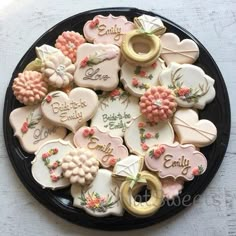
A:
[29,87]
[157,104]
[59,70]
[80,166]
[68,42]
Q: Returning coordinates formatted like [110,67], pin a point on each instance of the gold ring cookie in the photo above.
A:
[130,48]
[142,209]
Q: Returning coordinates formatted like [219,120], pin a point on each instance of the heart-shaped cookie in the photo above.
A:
[190,129]
[174,50]
[72,110]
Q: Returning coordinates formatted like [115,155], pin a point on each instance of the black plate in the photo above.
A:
[60,202]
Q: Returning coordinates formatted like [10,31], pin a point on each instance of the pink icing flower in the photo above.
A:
[135,82]
[157,153]
[48,99]
[195,171]
[45,156]
[55,150]
[157,104]
[86,132]
[141,124]
[94,23]
[25,127]
[148,135]
[91,132]
[162,149]
[54,178]
[144,146]
[115,92]
[183,91]
[55,165]
[112,161]
[84,62]
[68,42]
[154,65]
[142,73]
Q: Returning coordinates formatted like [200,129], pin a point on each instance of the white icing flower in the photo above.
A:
[59,70]
[80,166]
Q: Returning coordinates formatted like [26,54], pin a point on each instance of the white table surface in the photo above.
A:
[213,22]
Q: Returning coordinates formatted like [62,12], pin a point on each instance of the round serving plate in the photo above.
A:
[60,201]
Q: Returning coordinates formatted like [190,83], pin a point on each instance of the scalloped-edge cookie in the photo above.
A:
[32,129]
[97,66]
[176,160]
[142,134]
[191,86]
[101,198]
[115,112]
[107,148]
[107,29]
[46,166]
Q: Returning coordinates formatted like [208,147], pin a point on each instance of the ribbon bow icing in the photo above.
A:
[137,179]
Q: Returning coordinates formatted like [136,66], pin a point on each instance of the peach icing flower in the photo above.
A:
[115,92]
[30,87]
[59,70]
[94,23]
[141,124]
[148,135]
[25,127]
[68,42]
[84,62]
[157,104]
[135,82]
[183,91]
[144,146]
[112,161]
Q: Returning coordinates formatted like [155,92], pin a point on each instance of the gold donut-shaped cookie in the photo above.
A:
[142,209]
[140,49]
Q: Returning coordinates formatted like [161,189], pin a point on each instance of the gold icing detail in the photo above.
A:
[181,52]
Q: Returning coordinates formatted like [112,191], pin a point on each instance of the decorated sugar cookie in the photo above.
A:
[97,66]
[137,79]
[58,70]
[128,167]
[108,149]
[190,129]
[137,205]
[44,51]
[142,134]
[174,50]
[72,110]
[68,42]
[191,86]
[176,160]
[100,198]
[46,166]
[115,112]
[107,29]
[141,47]
[171,187]
[29,87]
[35,65]
[32,129]
[158,104]
[80,166]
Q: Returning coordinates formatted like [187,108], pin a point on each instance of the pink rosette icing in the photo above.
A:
[158,104]
[29,87]
[68,42]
